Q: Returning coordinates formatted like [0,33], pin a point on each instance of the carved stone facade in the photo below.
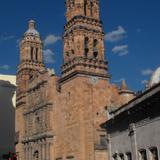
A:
[59,117]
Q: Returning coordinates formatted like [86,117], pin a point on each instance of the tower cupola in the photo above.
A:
[31,30]
[31,47]
[125,93]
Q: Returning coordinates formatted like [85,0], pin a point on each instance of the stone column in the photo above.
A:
[47,151]
[39,151]
[43,150]
[132,134]
[27,152]
[51,150]
[82,136]
[109,147]
[30,152]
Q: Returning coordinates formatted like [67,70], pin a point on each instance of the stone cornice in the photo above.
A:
[139,99]
[80,18]
[20,104]
[37,86]
[37,137]
[81,27]
[79,73]
[38,107]
[85,62]
[100,147]
[28,65]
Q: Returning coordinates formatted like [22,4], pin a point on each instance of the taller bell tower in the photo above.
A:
[84,40]
[85,89]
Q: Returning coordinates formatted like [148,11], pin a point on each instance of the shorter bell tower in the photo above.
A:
[31,62]
[31,56]
[31,48]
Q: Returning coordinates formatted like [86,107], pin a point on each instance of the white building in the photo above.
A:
[134,129]
[7,112]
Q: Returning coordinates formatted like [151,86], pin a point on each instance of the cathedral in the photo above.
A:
[59,117]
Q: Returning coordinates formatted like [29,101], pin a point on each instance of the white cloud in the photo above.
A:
[144,81]
[51,39]
[147,72]
[5,67]
[48,56]
[116,35]
[6,37]
[120,50]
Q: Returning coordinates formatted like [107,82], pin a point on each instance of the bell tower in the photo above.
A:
[31,47]
[84,40]
[31,61]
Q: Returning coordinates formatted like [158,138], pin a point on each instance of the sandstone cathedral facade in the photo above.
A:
[58,118]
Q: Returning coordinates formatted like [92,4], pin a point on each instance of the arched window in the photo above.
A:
[72,51]
[32,53]
[95,50]
[86,49]
[36,155]
[85,7]
[36,54]
[91,7]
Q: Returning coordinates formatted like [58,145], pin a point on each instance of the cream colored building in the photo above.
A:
[7,112]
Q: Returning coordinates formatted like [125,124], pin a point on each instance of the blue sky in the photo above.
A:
[132,35]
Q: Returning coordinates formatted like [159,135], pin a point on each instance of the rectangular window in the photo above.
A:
[115,157]
[91,7]
[36,54]
[70,157]
[154,153]
[103,140]
[32,53]
[129,156]
[142,155]
[121,156]
[85,7]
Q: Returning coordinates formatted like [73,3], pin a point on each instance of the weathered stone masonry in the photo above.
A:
[59,117]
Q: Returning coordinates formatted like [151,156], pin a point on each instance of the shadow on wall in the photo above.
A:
[7,117]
